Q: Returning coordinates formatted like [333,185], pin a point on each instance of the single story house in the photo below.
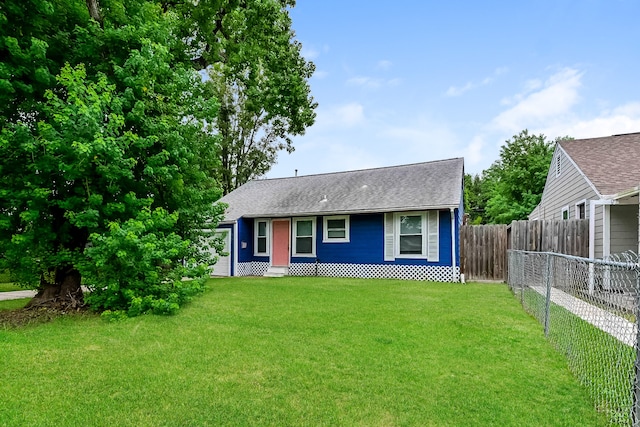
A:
[390,222]
[596,179]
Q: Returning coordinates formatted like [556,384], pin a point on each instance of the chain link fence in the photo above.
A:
[589,309]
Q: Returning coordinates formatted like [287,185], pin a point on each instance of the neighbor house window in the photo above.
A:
[336,229]
[261,244]
[580,210]
[304,237]
[565,212]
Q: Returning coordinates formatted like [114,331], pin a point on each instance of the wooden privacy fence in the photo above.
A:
[569,236]
[483,252]
[483,248]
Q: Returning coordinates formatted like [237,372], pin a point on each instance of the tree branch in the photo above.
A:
[94,11]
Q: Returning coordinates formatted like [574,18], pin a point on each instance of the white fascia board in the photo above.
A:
[586,178]
[354,211]
[633,191]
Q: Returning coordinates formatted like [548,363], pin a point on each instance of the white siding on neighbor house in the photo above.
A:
[567,189]
[599,230]
[624,228]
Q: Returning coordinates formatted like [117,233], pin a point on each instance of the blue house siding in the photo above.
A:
[366,245]
[246,241]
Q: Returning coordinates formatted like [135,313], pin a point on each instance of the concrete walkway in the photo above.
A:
[616,326]
[4,296]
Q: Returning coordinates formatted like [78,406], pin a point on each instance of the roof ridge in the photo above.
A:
[359,170]
[564,141]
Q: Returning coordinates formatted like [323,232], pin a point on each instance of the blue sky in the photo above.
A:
[413,81]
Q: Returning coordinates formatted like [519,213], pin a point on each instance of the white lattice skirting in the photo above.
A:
[254,268]
[368,271]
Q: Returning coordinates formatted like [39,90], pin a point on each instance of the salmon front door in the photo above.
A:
[280,254]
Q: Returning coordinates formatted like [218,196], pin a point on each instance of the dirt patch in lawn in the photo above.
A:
[21,317]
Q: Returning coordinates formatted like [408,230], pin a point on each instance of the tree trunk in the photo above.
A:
[65,293]
[94,10]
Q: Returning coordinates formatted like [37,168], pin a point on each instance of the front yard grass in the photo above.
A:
[298,351]
[13,304]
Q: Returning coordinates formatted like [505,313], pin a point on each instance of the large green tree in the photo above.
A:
[515,181]
[475,198]
[259,77]
[104,154]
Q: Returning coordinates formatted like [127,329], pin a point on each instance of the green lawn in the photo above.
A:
[604,365]
[298,351]
[13,304]
[9,287]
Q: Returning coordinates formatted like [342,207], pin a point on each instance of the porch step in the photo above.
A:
[276,271]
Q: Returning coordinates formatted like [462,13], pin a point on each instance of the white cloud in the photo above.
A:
[310,52]
[473,153]
[623,119]
[423,140]
[373,82]
[548,106]
[320,74]
[345,157]
[552,102]
[384,64]
[460,90]
[367,82]
[346,115]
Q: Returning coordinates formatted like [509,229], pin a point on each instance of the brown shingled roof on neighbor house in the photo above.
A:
[611,163]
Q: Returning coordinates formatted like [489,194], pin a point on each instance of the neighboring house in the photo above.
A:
[596,179]
[393,222]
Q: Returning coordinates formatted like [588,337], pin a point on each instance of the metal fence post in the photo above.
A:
[522,261]
[635,410]
[547,307]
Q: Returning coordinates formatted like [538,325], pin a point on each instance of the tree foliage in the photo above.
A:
[515,182]
[104,158]
[475,198]
[259,77]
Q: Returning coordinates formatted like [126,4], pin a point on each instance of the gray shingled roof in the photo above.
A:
[611,163]
[418,186]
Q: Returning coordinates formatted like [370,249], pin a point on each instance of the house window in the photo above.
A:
[336,229]
[261,233]
[304,238]
[565,212]
[412,235]
[580,210]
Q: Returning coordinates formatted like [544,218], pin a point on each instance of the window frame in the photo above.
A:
[582,203]
[562,213]
[424,233]
[267,237]
[295,236]
[325,229]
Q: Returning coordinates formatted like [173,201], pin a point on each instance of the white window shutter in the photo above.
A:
[433,243]
[389,237]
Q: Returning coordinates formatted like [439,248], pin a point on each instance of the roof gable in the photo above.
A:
[611,164]
[418,186]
